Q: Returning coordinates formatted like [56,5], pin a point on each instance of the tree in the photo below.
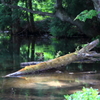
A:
[97,7]
[23,15]
[64,15]
[21,26]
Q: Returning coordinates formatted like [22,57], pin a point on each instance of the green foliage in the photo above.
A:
[63,45]
[40,5]
[86,15]
[48,51]
[43,6]
[59,28]
[23,52]
[97,37]
[85,94]
[4,17]
[74,7]
[5,57]
[43,25]
[9,17]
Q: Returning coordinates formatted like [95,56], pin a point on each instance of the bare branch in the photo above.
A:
[89,46]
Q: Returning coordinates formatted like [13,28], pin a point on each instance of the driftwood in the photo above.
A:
[81,55]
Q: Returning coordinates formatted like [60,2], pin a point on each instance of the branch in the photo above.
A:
[89,46]
[28,10]
[86,54]
[97,6]
[58,4]
[60,13]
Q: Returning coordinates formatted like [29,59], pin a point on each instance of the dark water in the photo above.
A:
[46,86]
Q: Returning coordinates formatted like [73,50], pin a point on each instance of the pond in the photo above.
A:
[46,86]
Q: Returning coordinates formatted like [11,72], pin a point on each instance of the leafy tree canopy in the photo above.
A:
[65,10]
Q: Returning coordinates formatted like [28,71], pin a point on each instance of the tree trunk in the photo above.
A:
[27,17]
[62,15]
[32,48]
[97,7]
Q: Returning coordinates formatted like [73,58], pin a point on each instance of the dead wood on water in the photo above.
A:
[81,55]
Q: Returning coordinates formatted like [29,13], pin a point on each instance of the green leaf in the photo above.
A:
[86,15]
[85,94]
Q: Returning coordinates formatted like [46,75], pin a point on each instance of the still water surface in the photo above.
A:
[46,86]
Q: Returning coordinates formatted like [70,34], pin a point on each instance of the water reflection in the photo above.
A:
[41,81]
[46,86]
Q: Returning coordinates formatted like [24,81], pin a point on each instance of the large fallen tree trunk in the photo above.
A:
[80,55]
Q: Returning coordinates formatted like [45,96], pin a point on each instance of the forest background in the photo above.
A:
[62,25]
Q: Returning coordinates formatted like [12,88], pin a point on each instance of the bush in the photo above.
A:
[85,94]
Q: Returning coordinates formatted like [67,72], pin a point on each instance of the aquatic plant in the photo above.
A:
[85,94]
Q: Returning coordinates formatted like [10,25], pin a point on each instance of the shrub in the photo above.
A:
[85,94]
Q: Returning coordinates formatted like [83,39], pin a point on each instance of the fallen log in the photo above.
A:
[23,64]
[82,54]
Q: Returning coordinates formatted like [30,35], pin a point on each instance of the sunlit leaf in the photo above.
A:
[85,94]
[86,15]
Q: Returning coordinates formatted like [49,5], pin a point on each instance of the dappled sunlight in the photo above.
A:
[55,83]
